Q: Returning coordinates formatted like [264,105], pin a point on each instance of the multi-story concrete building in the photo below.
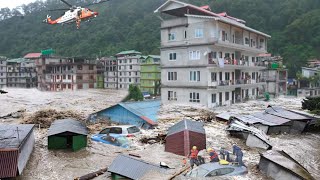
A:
[59,73]
[208,58]
[3,72]
[21,73]
[309,81]
[100,74]
[275,75]
[150,74]
[123,71]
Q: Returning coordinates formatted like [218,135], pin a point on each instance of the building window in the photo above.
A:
[79,67]
[227,96]
[69,76]
[199,33]
[194,97]
[172,95]
[91,77]
[194,55]
[69,86]
[213,76]
[227,74]
[79,77]
[136,73]
[58,77]
[149,75]
[130,61]
[172,56]
[129,79]
[253,92]
[64,76]
[220,54]
[172,76]
[246,40]
[185,34]
[90,67]
[213,98]
[172,36]
[80,86]
[253,75]
[194,76]
[130,67]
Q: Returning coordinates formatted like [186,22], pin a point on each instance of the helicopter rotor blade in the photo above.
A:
[65,9]
[99,2]
[66,3]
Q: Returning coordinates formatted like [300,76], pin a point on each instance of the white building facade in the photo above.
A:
[208,58]
[3,72]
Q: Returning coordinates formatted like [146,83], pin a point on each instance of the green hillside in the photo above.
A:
[131,24]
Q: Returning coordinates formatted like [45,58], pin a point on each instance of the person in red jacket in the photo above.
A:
[213,155]
[193,156]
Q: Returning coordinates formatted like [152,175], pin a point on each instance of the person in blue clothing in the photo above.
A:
[225,155]
[239,154]
[214,157]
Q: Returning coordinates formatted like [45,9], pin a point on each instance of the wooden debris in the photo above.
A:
[92,175]
[160,138]
[179,172]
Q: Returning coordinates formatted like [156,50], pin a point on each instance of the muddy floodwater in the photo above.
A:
[47,165]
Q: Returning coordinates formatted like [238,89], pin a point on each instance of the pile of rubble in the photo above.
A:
[44,118]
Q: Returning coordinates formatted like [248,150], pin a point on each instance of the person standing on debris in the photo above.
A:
[239,154]
[225,154]
[213,155]
[194,156]
[201,156]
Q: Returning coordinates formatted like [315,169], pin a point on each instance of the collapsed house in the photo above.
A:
[274,120]
[67,133]
[183,135]
[16,146]
[128,167]
[279,165]
[254,137]
[142,114]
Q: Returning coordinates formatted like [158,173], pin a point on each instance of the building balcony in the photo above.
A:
[235,83]
[232,64]
[174,22]
[240,45]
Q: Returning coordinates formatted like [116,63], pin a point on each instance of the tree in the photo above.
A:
[134,93]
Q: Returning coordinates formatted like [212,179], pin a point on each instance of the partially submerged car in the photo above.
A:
[115,140]
[123,130]
[216,169]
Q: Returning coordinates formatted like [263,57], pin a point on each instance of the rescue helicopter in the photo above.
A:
[74,14]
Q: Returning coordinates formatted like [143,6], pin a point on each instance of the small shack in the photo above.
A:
[279,165]
[183,135]
[16,146]
[67,133]
[142,114]
[128,167]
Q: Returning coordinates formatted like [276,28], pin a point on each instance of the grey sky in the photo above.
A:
[13,3]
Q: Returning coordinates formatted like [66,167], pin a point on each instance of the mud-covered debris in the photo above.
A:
[17,114]
[44,118]
[160,138]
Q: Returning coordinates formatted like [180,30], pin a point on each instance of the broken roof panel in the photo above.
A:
[269,119]
[131,167]
[281,112]
[12,136]
[187,125]
[67,125]
[286,161]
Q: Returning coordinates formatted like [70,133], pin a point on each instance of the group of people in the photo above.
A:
[198,157]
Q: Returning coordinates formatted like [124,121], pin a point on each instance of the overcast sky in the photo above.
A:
[13,3]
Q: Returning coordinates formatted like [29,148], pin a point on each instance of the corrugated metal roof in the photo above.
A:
[67,125]
[12,136]
[187,125]
[131,167]
[280,112]
[18,60]
[269,119]
[129,52]
[283,159]
[32,55]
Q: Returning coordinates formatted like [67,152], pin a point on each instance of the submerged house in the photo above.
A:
[254,137]
[16,146]
[127,167]
[142,114]
[67,134]
[274,120]
[280,165]
[183,135]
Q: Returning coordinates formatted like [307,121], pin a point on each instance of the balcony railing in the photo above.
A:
[229,61]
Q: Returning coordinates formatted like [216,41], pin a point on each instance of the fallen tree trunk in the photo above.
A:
[180,172]
[92,175]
